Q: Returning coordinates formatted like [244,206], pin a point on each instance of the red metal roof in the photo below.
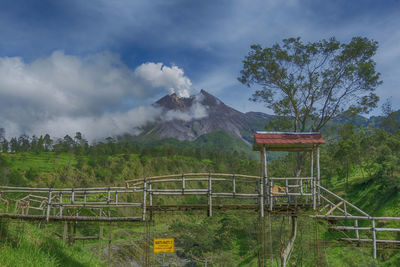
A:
[287,139]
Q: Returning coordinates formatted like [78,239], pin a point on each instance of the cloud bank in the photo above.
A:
[97,95]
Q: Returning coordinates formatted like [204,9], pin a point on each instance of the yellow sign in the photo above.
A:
[163,245]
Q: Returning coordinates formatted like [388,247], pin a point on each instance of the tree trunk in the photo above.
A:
[285,253]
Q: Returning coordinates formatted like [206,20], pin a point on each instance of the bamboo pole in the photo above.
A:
[183,184]
[262,178]
[312,166]
[271,200]
[318,177]
[332,204]
[48,206]
[313,181]
[348,203]
[261,197]
[265,176]
[209,195]
[150,195]
[234,186]
[370,240]
[144,201]
[69,218]
[373,238]
[356,226]
[61,201]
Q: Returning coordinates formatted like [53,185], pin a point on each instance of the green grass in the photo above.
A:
[45,162]
[25,245]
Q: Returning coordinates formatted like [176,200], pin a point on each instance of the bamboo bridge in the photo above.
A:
[139,198]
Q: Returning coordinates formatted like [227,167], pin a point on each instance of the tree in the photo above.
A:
[348,150]
[4,146]
[24,143]
[48,142]
[308,84]
[389,120]
[14,146]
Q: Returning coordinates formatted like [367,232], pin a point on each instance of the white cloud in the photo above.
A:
[158,75]
[62,94]
[108,124]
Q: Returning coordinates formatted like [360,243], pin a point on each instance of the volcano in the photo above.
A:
[202,114]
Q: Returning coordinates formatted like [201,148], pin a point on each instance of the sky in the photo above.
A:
[96,66]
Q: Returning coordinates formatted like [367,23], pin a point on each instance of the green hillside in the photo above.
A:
[360,165]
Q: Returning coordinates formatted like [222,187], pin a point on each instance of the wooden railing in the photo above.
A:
[337,208]
[56,200]
[275,192]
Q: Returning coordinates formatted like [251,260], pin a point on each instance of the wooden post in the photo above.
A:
[356,226]
[265,175]
[311,169]
[183,184]
[144,200]
[374,238]
[151,202]
[271,186]
[262,175]
[261,197]
[318,177]
[48,206]
[234,186]
[61,204]
[287,189]
[209,195]
[150,196]
[301,187]
[72,196]
[314,182]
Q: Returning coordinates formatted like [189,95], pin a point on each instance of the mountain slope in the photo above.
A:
[216,117]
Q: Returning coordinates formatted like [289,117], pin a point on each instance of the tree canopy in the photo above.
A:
[308,84]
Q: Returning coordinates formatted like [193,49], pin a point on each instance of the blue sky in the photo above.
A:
[201,43]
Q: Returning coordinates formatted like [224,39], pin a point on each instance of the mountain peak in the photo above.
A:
[174,102]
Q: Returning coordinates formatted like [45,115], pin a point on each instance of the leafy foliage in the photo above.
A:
[308,84]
